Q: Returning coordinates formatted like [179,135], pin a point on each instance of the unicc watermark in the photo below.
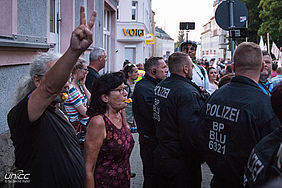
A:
[17,177]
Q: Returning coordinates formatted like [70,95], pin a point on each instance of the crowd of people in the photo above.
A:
[185,114]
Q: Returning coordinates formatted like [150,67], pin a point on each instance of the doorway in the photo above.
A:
[130,54]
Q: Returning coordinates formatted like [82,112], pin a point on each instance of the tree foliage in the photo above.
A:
[271,17]
[254,21]
[180,39]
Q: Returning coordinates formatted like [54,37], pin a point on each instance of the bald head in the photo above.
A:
[279,71]
[248,58]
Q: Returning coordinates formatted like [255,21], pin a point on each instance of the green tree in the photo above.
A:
[180,39]
[271,17]
[254,21]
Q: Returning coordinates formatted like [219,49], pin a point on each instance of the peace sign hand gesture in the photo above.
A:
[82,36]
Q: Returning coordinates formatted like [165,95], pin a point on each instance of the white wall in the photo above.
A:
[211,41]
[164,45]
[143,21]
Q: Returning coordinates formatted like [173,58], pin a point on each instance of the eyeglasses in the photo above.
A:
[85,69]
[212,72]
[121,90]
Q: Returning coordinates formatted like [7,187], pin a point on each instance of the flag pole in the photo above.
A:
[268,46]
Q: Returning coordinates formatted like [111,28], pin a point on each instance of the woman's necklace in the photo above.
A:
[116,117]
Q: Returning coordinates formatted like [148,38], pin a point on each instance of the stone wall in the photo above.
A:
[7,156]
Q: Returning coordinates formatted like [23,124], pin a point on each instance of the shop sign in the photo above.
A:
[133,32]
[150,38]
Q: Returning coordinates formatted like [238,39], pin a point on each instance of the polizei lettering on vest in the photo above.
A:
[224,112]
[254,165]
[161,91]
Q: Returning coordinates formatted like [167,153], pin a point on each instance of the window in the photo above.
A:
[118,11]
[134,10]
[52,16]
[215,32]
[107,38]
[130,54]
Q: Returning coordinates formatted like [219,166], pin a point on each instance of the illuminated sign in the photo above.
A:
[133,32]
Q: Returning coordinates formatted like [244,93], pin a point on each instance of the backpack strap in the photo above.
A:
[202,70]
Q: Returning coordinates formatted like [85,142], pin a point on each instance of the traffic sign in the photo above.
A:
[187,25]
[222,15]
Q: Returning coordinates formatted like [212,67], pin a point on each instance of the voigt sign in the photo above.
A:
[133,32]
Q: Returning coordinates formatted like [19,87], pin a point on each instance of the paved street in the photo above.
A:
[136,167]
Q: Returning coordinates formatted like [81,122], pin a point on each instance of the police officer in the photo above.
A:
[156,70]
[176,110]
[265,161]
[234,119]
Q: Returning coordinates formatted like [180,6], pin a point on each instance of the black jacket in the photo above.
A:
[176,109]
[142,106]
[233,120]
[91,76]
[265,161]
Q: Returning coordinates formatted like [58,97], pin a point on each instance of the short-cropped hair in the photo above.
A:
[225,79]
[248,57]
[152,62]
[103,85]
[96,52]
[176,61]
[279,70]
[264,52]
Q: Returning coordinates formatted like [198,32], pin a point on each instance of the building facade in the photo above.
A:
[213,39]
[29,27]
[164,44]
[134,22]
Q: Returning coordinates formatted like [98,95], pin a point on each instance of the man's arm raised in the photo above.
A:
[54,80]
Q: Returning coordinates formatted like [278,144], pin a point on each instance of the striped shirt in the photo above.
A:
[74,100]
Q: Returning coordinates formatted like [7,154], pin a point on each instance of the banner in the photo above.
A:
[275,51]
[261,44]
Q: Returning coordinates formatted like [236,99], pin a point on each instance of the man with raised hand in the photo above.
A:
[46,147]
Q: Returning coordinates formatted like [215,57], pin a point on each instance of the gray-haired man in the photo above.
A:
[98,58]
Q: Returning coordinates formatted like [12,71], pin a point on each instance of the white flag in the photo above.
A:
[261,44]
[275,51]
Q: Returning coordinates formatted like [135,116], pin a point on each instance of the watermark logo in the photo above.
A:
[17,177]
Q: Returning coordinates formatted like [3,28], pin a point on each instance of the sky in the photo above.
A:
[169,13]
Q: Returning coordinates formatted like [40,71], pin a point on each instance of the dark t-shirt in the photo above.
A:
[91,76]
[47,149]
